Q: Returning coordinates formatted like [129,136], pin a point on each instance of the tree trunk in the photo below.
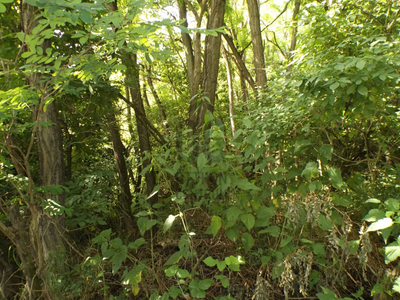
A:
[294,33]
[230,90]
[132,81]
[211,60]
[158,101]
[125,198]
[256,38]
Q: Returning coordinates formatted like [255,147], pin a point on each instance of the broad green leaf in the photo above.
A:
[378,288]
[360,64]
[326,295]
[3,9]
[221,265]
[334,86]
[362,90]
[351,89]
[86,17]
[336,176]
[248,220]
[224,281]
[137,243]
[174,258]
[392,253]
[380,224]
[324,223]
[272,230]
[310,170]
[145,224]
[6,1]
[396,285]
[171,271]
[216,223]
[205,284]
[211,262]
[232,213]
[245,185]
[232,233]
[248,241]
[285,241]
[181,273]
[319,249]
[374,215]
[201,162]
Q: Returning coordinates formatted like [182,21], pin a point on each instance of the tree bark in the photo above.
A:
[256,38]
[132,81]
[125,198]
[212,52]
[294,33]
[157,99]
[230,90]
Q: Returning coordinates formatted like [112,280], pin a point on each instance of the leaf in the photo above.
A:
[392,252]
[233,213]
[310,169]
[380,224]
[181,273]
[286,241]
[326,295]
[248,241]
[232,233]
[248,220]
[245,185]
[272,231]
[351,89]
[216,223]
[362,90]
[360,64]
[168,223]
[334,86]
[221,265]
[145,224]
[86,17]
[137,243]
[324,223]
[201,162]
[3,9]
[211,262]
[396,285]
[174,258]
[374,215]
[336,176]
[378,288]
[319,249]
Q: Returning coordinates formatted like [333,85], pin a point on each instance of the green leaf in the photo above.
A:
[232,233]
[181,273]
[396,285]
[174,258]
[351,89]
[248,220]
[6,1]
[137,243]
[362,90]
[319,249]
[168,223]
[171,271]
[224,281]
[245,185]
[86,17]
[145,224]
[374,215]
[360,64]
[248,241]
[286,241]
[334,86]
[326,295]
[336,176]
[310,170]
[232,213]
[211,262]
[3,9]
[392,252]
[380,224]
[272,231]
[324,223]
[201,162]
[221,265]
[216,223]
[378,288]
[205,284]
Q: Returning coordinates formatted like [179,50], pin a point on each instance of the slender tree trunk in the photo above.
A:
[230,90]
[212,52]
[157,99]
[294,33]
[125,199]
[132,81]
[256,38]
